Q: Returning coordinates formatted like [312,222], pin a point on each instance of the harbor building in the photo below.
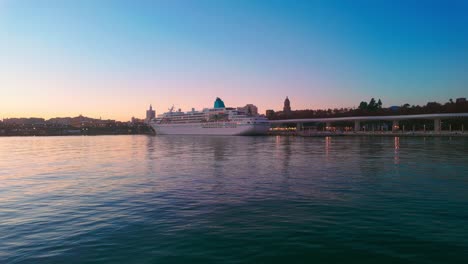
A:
[270,113]
[150,114]
[287,106]
[249,109]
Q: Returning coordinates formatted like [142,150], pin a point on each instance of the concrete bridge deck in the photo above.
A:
[357,119]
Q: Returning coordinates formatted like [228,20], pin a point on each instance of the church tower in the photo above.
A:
[287,106]
[150,114]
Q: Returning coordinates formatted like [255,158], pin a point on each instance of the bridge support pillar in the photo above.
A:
[395,125]
[299,126]
[328,126]
[357,125]
[437,125]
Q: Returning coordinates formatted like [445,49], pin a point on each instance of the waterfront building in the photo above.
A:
[460,100]
[150,114]
[24,121]
[137,120]
[270,113]
[81,121]
[249,109]
[287,106]
[64,121]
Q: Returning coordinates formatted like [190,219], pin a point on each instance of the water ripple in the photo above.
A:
[143,199]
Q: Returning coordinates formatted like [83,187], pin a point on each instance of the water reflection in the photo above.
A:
[327,146]
[283,153]
[220,146]
[114,198]
[371,153]
[396,159]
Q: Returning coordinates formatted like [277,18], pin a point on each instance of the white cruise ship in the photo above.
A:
[219,120]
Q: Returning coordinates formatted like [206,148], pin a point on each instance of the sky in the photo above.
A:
[111,59]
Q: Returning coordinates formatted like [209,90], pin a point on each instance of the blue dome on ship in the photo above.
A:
[219,103]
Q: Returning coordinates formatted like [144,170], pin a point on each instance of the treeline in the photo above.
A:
[374,108]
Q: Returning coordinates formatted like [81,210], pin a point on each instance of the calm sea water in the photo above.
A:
[168,199]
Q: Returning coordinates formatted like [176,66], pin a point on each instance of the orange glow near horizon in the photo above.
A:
[65,98]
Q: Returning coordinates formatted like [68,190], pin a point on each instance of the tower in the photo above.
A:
[150,114]
[287,106]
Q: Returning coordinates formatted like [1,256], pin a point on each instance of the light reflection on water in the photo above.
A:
[397,148]
[140,198]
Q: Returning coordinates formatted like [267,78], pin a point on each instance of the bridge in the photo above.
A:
[358,119]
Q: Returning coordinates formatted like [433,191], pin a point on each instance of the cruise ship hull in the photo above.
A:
[204,129]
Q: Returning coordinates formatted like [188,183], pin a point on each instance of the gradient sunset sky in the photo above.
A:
[114,58]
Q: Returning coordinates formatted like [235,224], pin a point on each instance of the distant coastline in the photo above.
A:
[71,126]
[371,120]
[75,133]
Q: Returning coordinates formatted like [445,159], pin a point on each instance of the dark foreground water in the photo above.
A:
[168,199]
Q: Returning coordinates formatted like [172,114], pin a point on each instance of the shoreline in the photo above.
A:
[85,131]
[315,134]
[384,134]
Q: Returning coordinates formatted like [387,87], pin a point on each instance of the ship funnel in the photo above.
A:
[219,103]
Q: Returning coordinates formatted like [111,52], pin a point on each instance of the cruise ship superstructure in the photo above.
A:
[219,120]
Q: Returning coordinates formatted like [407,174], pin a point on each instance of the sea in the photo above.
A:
[199,199]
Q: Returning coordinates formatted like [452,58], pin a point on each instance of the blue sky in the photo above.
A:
[113,58]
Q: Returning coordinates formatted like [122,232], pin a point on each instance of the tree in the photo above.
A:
[363,106]
[379,104]
[372,105]
[433,107]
